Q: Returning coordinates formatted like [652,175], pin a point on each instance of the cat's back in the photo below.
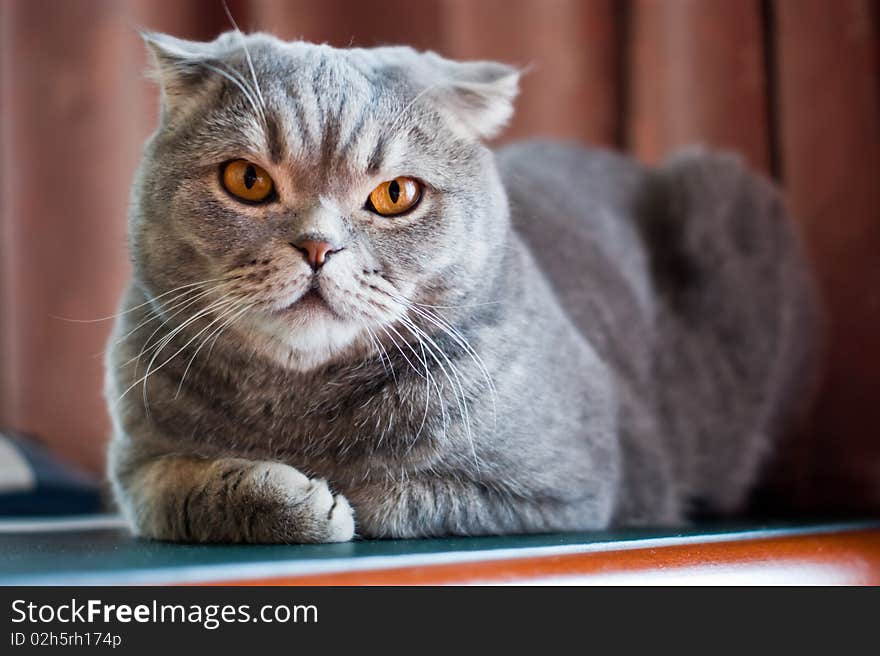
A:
[574,208]
[691,280]
[564,190]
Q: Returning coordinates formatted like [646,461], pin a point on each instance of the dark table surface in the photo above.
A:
[99,550]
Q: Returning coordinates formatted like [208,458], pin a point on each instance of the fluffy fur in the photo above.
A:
[554,339]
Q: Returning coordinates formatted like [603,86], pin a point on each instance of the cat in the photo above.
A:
[349,316]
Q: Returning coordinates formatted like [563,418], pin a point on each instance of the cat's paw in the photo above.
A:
[295,508]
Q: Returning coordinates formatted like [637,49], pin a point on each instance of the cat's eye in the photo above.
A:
[394,196]
[247,181]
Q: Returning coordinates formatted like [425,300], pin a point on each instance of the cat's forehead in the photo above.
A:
[327,107]
[333,80]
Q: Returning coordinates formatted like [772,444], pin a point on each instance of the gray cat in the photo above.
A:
[348,315]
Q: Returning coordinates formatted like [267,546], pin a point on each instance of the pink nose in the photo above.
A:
[315,251]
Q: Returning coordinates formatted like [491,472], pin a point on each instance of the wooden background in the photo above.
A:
[792,84]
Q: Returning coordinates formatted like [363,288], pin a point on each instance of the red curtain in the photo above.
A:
[792,84]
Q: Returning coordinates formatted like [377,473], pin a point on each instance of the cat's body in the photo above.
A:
[622,343]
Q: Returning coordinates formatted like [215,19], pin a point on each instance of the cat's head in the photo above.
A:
[313,194]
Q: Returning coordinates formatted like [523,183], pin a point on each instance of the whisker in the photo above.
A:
[217,336]
[224,308]
[167,340]
[429,380]
[390,279]
[454,307]
[459,339]
[237,81]
[430,347]
[445,327]
[146,348]
[461,397]
[236,311]
[376,344]
[137,307]
[152,315]
[411,365]
[247,55]
[161,347]
[448,328]
[176,304]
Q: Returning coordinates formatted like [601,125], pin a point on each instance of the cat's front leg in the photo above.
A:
[188,499]
[437,506]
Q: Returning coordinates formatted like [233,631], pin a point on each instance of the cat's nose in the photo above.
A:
[315,251]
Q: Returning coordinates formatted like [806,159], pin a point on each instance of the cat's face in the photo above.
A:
[316,194]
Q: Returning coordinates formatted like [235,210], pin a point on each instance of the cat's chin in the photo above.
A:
[305,335]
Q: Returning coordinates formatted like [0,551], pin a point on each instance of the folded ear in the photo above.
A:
[180,67]
[477,96]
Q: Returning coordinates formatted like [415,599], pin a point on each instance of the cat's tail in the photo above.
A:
[741,316]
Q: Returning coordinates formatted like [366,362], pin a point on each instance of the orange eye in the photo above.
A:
[395,196]
[247,181]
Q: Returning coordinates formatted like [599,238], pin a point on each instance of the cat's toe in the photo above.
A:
[341,524]
[325,517]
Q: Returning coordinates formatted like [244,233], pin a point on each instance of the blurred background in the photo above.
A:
[793,85]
